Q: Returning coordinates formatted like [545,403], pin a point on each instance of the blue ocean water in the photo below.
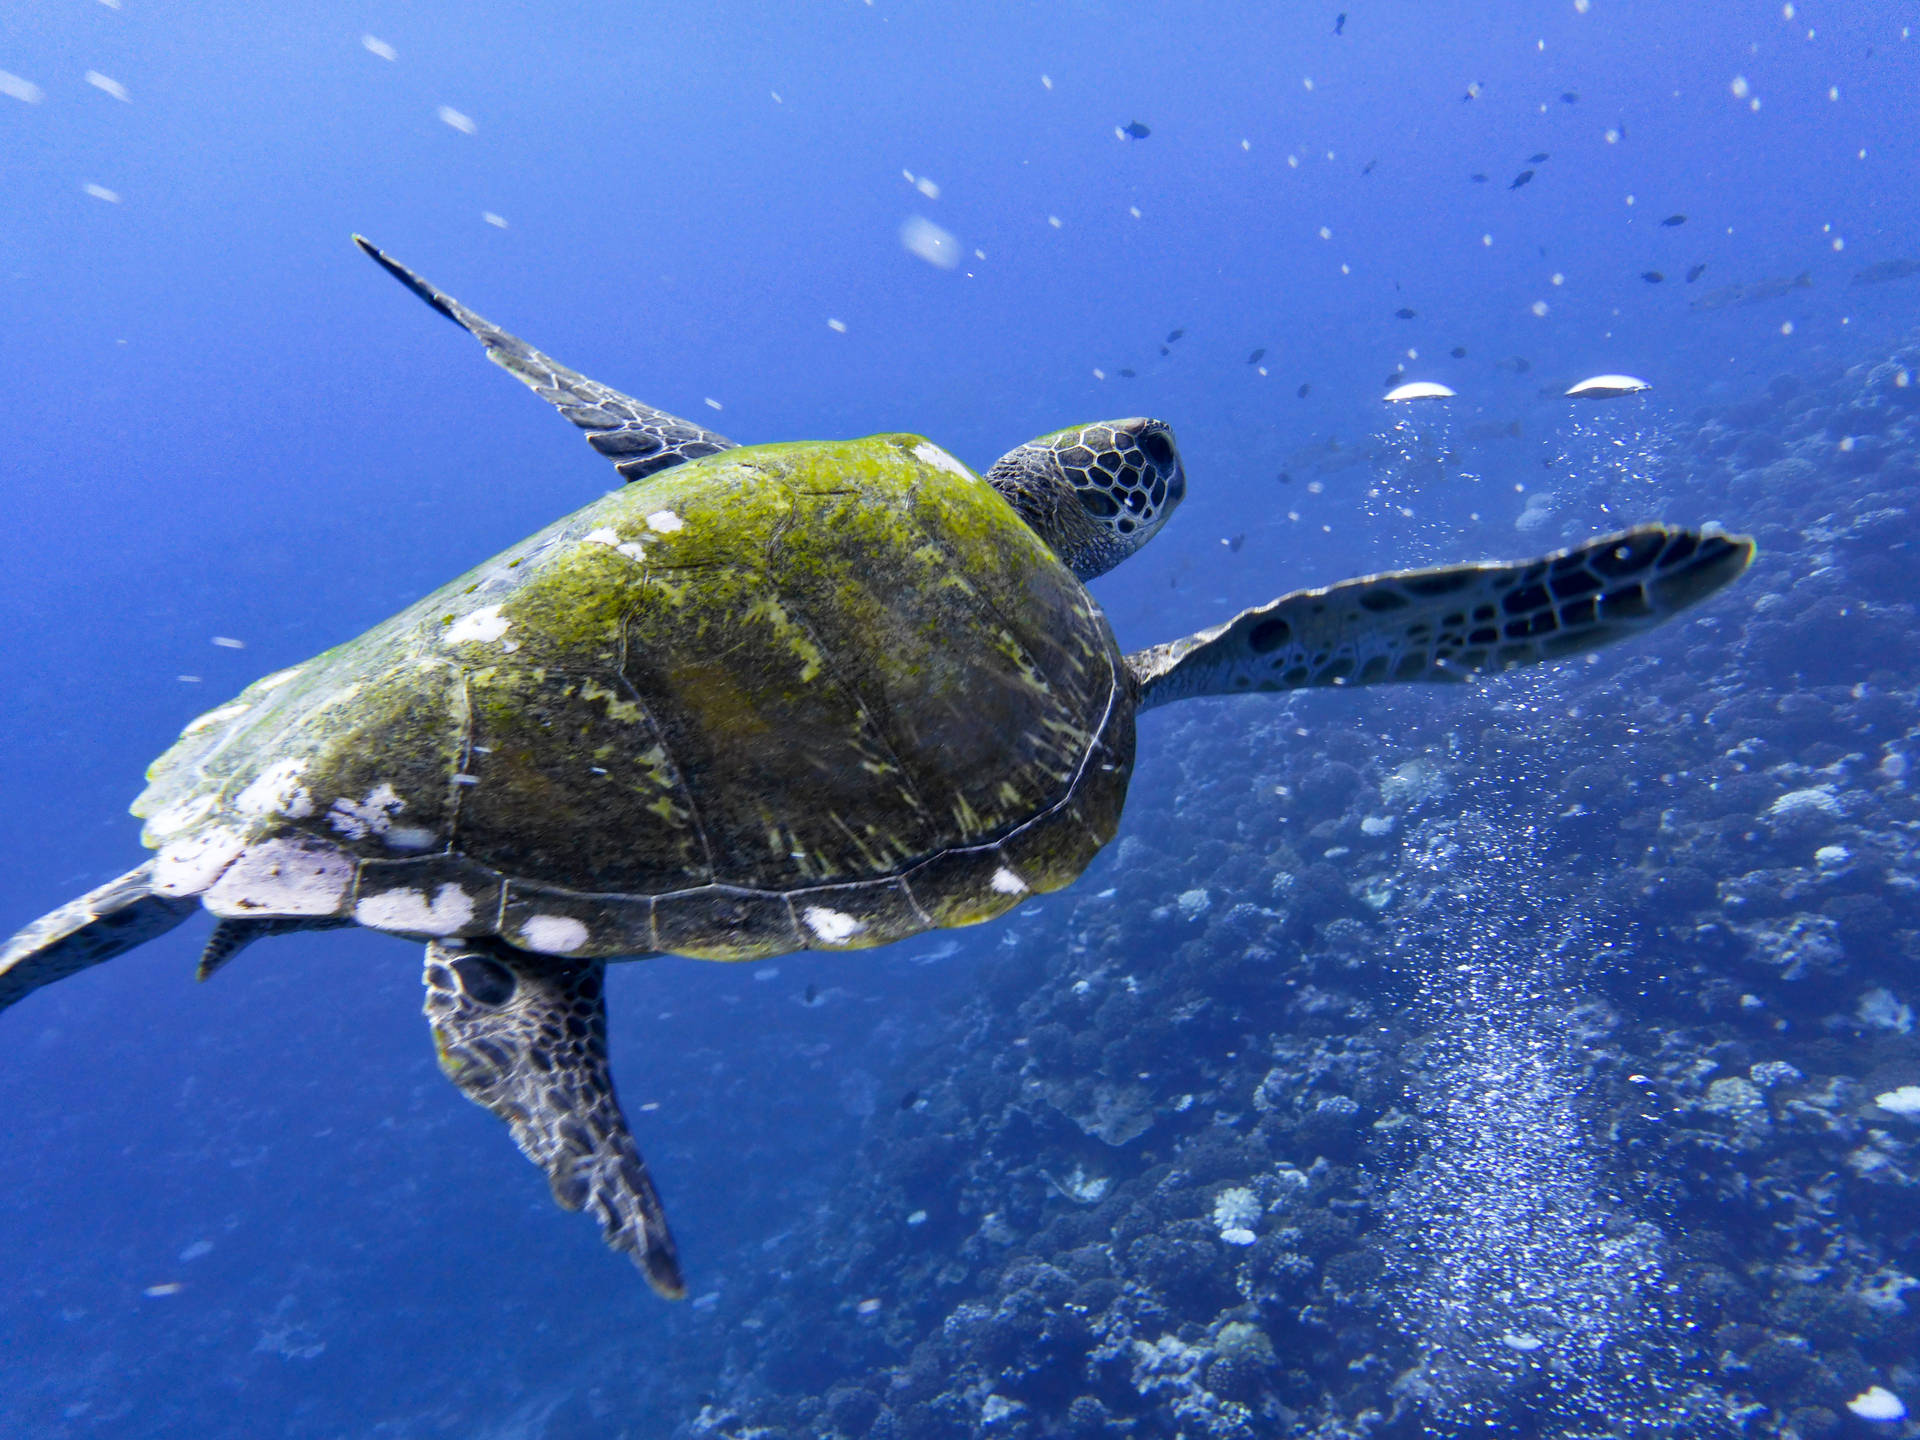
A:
[254,1207]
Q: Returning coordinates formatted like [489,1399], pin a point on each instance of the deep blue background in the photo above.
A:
[218,419]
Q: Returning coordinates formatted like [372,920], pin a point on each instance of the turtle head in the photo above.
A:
[1095,493]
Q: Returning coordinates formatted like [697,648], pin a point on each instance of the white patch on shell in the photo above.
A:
[214,717]
[411,913]
[484,625]
[553,934]
[633,550]
[289,875]
[189,866]
[605,535]
[665,522]
[1008,883]
[941,460]
[277,790]
[175,818]
[357,819]
[832,926]
[278,678]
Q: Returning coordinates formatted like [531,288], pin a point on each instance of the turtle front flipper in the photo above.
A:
[636,437]
[526,1036]
[1451,622]
[99,925]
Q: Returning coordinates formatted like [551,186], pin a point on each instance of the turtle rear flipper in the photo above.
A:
[526,1036]
[1448,623]
[636,437]
[99,925]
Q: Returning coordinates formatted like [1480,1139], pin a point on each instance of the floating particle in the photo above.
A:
[1673,220]
[1556,278]
[1539,307]
[1257,356]
[499,222]
[1612,137]
[1418,390]
[927,240]
[196,1250]
[868,1307]
[1607,387]
[463,123]
[1054,221]
[157,1292]
[1477,178]
[1134,131]
[839,327]
[374,45]
[1326,232]
[1877,1403]
[713,404]
[1406,312]
[1305,389]
[1046,81]
[1523,178]
[1473,91]
[101,192]
[20,89]
[1740,88]
[107,85]
[1652,277]
[227,642]
[1696,272]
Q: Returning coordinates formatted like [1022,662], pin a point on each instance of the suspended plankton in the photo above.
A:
[1418,390]
[1607,387]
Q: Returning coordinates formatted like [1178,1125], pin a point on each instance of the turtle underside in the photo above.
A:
[807,695]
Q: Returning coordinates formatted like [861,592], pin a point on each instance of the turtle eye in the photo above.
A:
[1158,447]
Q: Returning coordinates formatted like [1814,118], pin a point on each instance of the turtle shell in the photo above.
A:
[818,695]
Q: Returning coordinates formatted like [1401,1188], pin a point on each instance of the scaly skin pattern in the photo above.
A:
[815,695]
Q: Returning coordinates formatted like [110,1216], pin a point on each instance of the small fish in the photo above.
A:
[813,994]
[1165,351]
[910,1099]
[1367,169]
[1304,388]
[1340,23]
[1126,374]
[1652,277]
[1174,335]
[1236,542]
[1405,312]
[1539,159]
[1518,365]
[1696,272]
[1286,477]
[1459,352]
[1673,220]
[1494,430]
[1521,179]
[1393,378]
[1477,178]
[1135,131]
[1569,97]
[1768,289]
[1886,270]
[1257,356]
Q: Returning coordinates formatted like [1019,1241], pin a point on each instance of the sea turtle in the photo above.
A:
[816,695]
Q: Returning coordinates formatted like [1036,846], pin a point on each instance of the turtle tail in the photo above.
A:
[99,925]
